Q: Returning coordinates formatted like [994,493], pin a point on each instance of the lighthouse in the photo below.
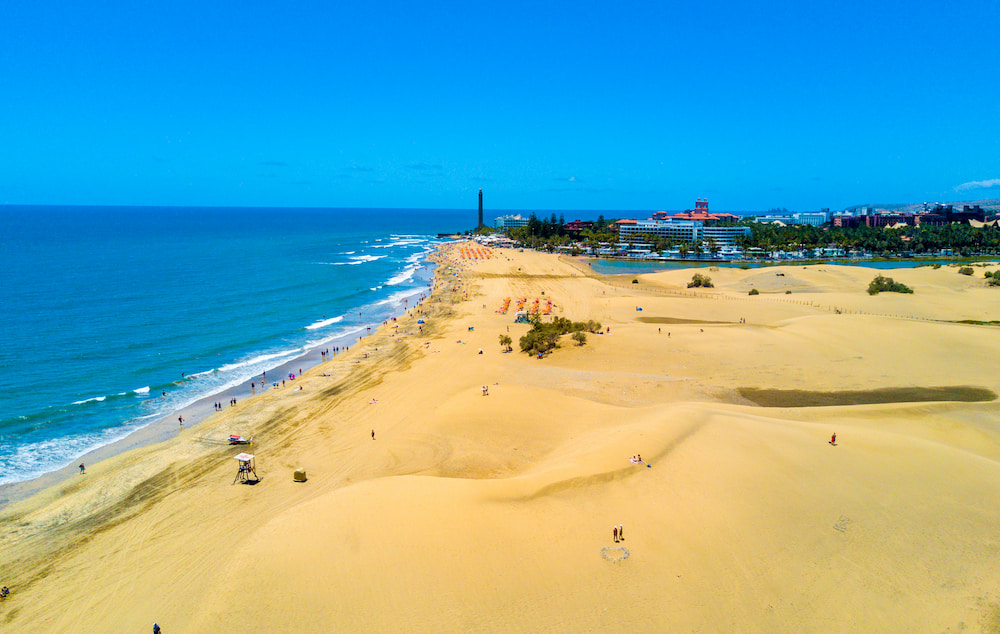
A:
[480,225]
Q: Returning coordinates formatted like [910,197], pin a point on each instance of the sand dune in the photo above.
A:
[494,513]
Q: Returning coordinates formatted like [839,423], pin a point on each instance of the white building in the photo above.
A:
[510,222]
[814,218]
[690,231]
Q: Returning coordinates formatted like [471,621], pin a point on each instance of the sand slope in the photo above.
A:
[494,513]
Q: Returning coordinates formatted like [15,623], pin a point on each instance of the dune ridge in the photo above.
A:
[494,513]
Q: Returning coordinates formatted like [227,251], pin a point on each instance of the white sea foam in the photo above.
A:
[324,323]
[34,459]
[367,258]
[399,243]
[98,399]
[417,258]
[198,375]
[337,335]
[260,359]
[142,390]
[397,297]
[403,276]
[356,259]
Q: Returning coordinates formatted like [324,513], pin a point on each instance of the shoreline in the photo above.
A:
[197,412]
[467,503]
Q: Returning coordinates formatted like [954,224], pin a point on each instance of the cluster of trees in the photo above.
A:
[545,336]
[887,284]
[963,239]
[548,233]
[699,280]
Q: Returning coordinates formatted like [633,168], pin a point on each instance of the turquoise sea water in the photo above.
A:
[103,310]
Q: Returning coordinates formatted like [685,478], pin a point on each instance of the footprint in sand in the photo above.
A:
[614,555]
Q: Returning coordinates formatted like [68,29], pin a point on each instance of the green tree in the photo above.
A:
[505,342]
[887,284]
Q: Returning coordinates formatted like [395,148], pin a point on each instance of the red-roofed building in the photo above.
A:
[577,226]
[616,225]
[699,213]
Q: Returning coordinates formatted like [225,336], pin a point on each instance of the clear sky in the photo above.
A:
[545,105]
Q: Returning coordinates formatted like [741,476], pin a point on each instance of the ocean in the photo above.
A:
[114,317]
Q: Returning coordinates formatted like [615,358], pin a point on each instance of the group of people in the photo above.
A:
[325,354]
[619,533]
[636,459]
[218,404]
[4,592]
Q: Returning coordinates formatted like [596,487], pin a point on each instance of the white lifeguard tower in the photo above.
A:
[246,469]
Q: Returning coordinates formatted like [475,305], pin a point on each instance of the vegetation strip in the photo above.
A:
[813,398]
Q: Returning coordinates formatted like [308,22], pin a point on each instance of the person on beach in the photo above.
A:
[156,629]
[621,532]
[833,439]
[180,419]
[373,434]
[614,531]
[83,469]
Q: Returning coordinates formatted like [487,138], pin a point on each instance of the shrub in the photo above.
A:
[754,291]
[545,336]
[988,273]
[887,284]
[700,280]
[788,292]
[966,270]
[635,280]
[937,265]
[579,337]
[744,266]
[505,342]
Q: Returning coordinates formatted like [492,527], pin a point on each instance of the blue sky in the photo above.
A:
[581,105]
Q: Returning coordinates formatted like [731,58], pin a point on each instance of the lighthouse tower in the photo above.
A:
[480,225]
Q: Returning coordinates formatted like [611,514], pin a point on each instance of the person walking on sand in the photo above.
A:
[83,469]
[833,439]
[614,531]
[621,533]
[373,434]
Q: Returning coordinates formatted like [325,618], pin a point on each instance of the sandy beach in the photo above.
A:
[494,513]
